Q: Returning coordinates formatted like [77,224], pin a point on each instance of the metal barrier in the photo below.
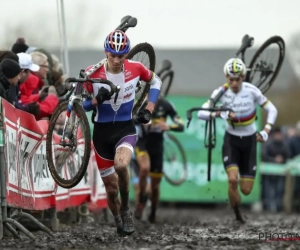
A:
[10,222]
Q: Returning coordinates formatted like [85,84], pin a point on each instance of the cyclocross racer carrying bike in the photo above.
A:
[149,153]
[239,146]
[114,134]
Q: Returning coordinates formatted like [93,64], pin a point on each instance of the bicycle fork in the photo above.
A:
[70,117]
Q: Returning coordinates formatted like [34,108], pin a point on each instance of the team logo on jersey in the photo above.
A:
[128,88]
[127,96]
[128,74]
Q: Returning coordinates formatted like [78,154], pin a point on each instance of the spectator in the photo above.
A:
[275,150]
[294,142]
[26,64]
[10,74]
[8,54]
[48,78]
[41,60]
[31,90]
[294,146]
[19,46]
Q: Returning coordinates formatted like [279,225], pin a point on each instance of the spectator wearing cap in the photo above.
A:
[10,73]
[26,65]
[30,88]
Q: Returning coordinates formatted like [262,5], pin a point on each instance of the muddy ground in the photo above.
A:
[181,228]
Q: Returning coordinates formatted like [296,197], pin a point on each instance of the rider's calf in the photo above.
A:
[233,181]
[122,160]
[112,190]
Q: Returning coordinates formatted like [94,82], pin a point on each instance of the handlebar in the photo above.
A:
[210,132]
[113,88]
[213,109]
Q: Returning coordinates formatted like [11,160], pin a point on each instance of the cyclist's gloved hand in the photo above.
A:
[103,94]
[43,93]
[263,135]
[144,116]
[227,115]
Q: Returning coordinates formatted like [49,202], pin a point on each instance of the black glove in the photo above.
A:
[144,116]
[103,94]
[43,93]
[33,108]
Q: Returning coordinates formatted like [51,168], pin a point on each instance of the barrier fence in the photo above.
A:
[28,182]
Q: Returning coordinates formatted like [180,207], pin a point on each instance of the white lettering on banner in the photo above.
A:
[21,143]
[41,176]
[28,174]
[11,155]
[196,173]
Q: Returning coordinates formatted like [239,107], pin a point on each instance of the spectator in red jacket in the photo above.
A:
[31,89]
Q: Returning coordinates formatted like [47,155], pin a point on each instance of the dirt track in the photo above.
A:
[176,229]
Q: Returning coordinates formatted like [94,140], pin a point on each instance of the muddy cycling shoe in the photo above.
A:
[140,207]
[238,214]
[119,225]
[128,224]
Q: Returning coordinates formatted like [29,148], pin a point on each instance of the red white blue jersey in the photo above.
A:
[132,73]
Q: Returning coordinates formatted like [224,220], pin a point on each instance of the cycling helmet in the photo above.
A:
[234,67]
[117,42]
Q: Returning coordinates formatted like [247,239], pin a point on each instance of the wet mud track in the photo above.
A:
[175,229]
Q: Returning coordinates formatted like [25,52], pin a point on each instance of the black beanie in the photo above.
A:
[10,68]
[19,46]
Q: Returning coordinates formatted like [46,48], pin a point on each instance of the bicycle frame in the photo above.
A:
[247,42]
[164,72]
[210,130]
[77,94]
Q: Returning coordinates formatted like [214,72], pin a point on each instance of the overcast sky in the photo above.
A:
[163,23]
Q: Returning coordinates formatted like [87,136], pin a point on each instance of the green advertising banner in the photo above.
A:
[196,188]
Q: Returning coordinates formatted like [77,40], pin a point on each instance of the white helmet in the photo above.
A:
[235,67]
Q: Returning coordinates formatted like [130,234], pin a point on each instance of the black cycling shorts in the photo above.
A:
[240,151]
[154,149]
[109,135]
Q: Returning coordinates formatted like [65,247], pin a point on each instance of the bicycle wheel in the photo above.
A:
[143,53]
[63,154]
[167,80]
[260,63]
[175,165]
